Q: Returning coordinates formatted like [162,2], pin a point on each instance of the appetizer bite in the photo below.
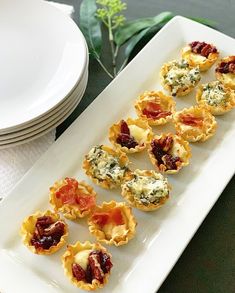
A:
[217,98]
[155,107]
[44,232]
[87,265]
[225,71]
[169,153]
[105,166]
[195,123]
[130,136]
[200,54]
[146,190]
[179,78]
[72,198]
[112,223]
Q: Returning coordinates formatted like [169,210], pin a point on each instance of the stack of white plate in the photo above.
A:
[44,69]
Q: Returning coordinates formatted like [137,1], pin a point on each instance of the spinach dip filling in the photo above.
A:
[213,94]
[147,189]
[105,166]
[180,75]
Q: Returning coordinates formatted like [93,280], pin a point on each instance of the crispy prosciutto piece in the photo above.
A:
[71,194]
[114,216]
[67,193]
[155,111]
[191,120]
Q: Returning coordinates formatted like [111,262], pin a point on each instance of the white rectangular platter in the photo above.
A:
[142,264]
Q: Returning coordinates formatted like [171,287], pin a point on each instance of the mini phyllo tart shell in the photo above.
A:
[131,135]
[87,265]
[112,223]
[200,54]
[217,98]
[105,166]
[179,78]
[146,190]
[195,123]
[155,107]
[225,71]
[72,198]
[169,153]
[44,232]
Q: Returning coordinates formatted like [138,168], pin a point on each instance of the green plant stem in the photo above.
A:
[114,50]
[123,65]
[103,66]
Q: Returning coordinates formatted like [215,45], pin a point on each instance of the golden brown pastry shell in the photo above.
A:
[69,211]
[28,227]
[128,195]
[114,131]
[130,223]
[204,65]
[222,77]
[167,103]
[183,91]
[220,109]
[68,259]
[184,160]
[107,184]
[194,134]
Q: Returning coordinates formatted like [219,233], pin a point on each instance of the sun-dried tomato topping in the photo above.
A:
[95,261]
[191,120]
[85,202]
[226,67]
[166,143]
[160,149]
[170,161]
[106,263]
[154,110]
[78,272]
[99,264]
[202,48]
[47,232]
[124,138]
[124,127]
[114,216]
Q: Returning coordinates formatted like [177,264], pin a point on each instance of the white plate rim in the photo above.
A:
[67,88]
[44,123]
[46,128]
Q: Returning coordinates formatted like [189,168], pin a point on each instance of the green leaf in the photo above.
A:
[90,26]
[139,40]
[205,21]
[134,41]
[130,28]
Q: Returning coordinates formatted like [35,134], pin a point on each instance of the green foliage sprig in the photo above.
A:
[120,32]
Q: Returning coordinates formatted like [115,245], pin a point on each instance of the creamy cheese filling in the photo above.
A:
[180,76]
[81,258]
[214,94]
[178,150]
[105,166]
[229,77]
[148,189]
[197,58]
[139,134]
